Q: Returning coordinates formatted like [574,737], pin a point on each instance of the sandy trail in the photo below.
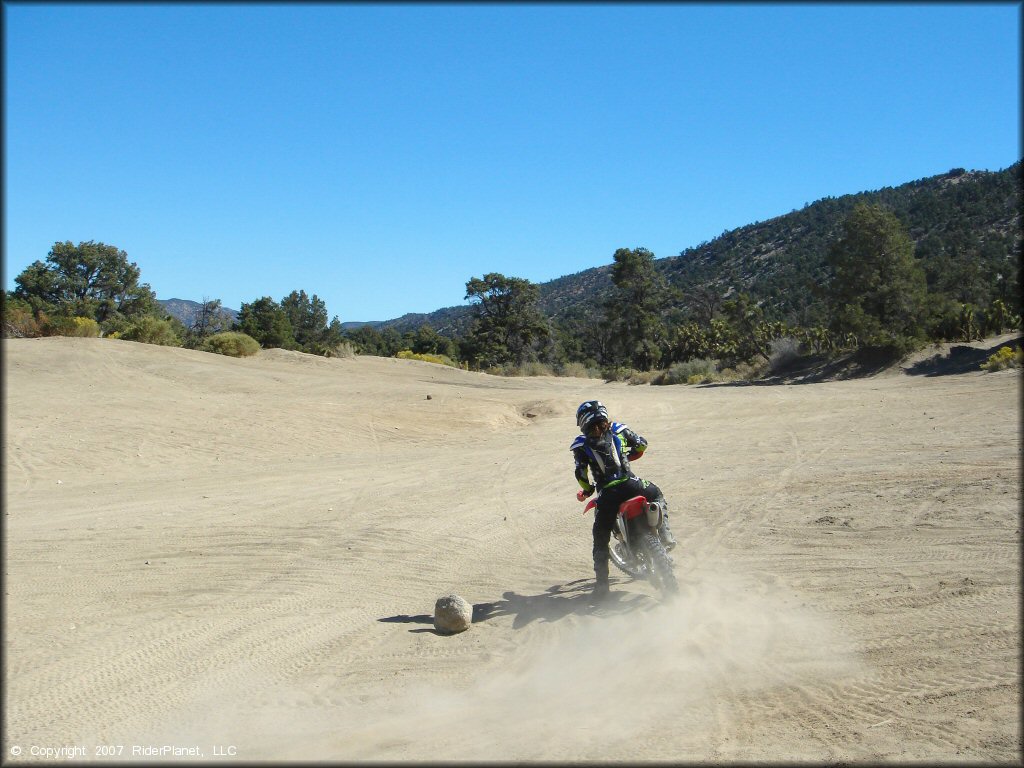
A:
[241,557]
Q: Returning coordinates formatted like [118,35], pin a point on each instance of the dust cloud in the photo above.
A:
[575,687]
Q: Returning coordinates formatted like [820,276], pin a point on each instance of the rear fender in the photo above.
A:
[633,507]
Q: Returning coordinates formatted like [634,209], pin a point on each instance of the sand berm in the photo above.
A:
[242,555]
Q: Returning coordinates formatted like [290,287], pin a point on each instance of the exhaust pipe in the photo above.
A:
[654,513]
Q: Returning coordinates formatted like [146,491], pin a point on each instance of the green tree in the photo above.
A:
[37,287]
[997,318]
[754,333]
[391,342]
[633,311]
[332,335]
[366,339]
[968,327]
[307,316]
[878,292]
[508,326]
[86,280]
[267,322]
[149,329]
[704,302]
[723,340]
[578,339]
[427,341]
[689,341]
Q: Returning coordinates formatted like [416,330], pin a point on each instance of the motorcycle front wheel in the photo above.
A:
[624,563]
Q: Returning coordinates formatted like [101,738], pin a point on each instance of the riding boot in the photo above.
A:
[600,577]
[664,532]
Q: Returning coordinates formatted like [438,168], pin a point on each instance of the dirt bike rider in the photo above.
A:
[605,448]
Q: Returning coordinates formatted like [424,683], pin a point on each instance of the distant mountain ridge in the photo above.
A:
[185,310]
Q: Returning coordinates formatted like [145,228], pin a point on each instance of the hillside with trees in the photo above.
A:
[808,276]
[965,226]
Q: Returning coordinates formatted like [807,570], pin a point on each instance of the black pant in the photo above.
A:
[607,509]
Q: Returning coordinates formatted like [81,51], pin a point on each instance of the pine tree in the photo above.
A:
[634,309]
[508,327]
[878,291]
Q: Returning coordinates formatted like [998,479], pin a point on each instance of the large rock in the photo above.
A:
[452,614]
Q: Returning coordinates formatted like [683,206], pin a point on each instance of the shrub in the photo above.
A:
[325,349]
[751,370]
[577,370]
[643,377]
[56,326]
[82,327]
[20,323]
[1004,358]
[616,373]
[407,354]
[230,343]
[343,349]
[86,327]
[152,330]
[533,368]
[114,327]
[693,371]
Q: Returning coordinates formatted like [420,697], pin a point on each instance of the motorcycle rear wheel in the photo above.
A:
[659,564]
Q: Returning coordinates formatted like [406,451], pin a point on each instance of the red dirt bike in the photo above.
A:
[638,550]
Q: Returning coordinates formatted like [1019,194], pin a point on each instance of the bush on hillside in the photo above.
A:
[694,371]
[577,370]
[616,373]
[20,323]
[643,377]
[1004,358]
[86,327]
[748,370]
[342,349]
[152,330]
[82,327]
[230,343]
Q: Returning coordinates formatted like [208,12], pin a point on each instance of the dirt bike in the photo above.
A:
[638,550]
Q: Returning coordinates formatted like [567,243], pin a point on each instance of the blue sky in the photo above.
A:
[380,156]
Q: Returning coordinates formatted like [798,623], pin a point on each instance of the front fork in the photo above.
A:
[621,533]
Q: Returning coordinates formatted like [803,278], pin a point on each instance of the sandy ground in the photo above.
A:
[241,558]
